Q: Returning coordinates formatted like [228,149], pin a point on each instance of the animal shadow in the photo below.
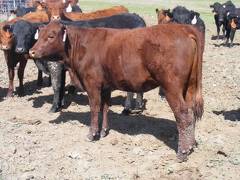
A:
[226,45]
[163,129]
[216,37]
[233,115]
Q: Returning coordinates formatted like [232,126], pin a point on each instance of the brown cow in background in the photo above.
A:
[102,60]
[56,11]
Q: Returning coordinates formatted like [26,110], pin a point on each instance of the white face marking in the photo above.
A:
[64,36]
[194,20]
[69,8]
[36,36]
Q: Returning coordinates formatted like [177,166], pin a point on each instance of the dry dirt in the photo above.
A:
[37,145]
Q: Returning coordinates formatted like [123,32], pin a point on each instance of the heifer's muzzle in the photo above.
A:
[20,50]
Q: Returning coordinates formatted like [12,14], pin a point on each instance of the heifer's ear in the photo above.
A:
[157,10]
[194,17]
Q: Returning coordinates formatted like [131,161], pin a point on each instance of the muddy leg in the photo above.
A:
[185,124]
[128,106]
[105,98]
[21,69]
[56,71]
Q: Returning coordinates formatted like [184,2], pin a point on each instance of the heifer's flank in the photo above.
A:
[133,60]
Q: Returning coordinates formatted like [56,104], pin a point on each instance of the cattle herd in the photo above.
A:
[113,49]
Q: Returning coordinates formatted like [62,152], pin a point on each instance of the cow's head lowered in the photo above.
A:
[163,16]
[51,41]
[56,8]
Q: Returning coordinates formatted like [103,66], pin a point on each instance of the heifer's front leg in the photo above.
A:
[57,74]
[128,105]
[21,69]
[94,97]
[218,32]
[185,125]
[105,98]
[11,78]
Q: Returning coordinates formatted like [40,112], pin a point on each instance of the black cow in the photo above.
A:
[182,15]
[220,15]
[25,32]
[21,11]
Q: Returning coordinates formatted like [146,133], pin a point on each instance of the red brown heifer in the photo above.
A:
[102,60]
[56,11]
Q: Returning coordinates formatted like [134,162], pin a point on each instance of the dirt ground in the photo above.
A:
[37,145]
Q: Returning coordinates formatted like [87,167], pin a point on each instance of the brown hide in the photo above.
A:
[75,16]
[102,60]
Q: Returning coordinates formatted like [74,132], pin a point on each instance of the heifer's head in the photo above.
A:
[6,37]
[56,8]
[51,41]
[220,11]
[164,16]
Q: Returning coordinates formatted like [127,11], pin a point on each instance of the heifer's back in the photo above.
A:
[148,52]
[97,14]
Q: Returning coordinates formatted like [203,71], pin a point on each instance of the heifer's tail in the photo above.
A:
[196,78]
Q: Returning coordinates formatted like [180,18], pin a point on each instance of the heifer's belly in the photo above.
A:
[129,74]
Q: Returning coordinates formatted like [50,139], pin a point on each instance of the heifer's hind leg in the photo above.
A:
[105,98]
[185,123]
[21,69]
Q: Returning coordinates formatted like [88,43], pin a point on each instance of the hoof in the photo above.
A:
[21,93]
[92,137]
[104,133]
[126,112]
[182,157]
[54,109]
[9,94]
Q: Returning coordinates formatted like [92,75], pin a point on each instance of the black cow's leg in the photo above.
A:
[21,69]
[139,102]
[128,106]
[11,78]
[56,70]
[218,32]
[232,34]
[40,78]
[105,103]
[228,32]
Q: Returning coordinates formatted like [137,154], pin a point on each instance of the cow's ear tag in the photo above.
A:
[64,36]
[194,20]
[224,6]
[36,35]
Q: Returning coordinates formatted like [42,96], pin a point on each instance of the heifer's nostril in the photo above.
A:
[55,18]
[19,50]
